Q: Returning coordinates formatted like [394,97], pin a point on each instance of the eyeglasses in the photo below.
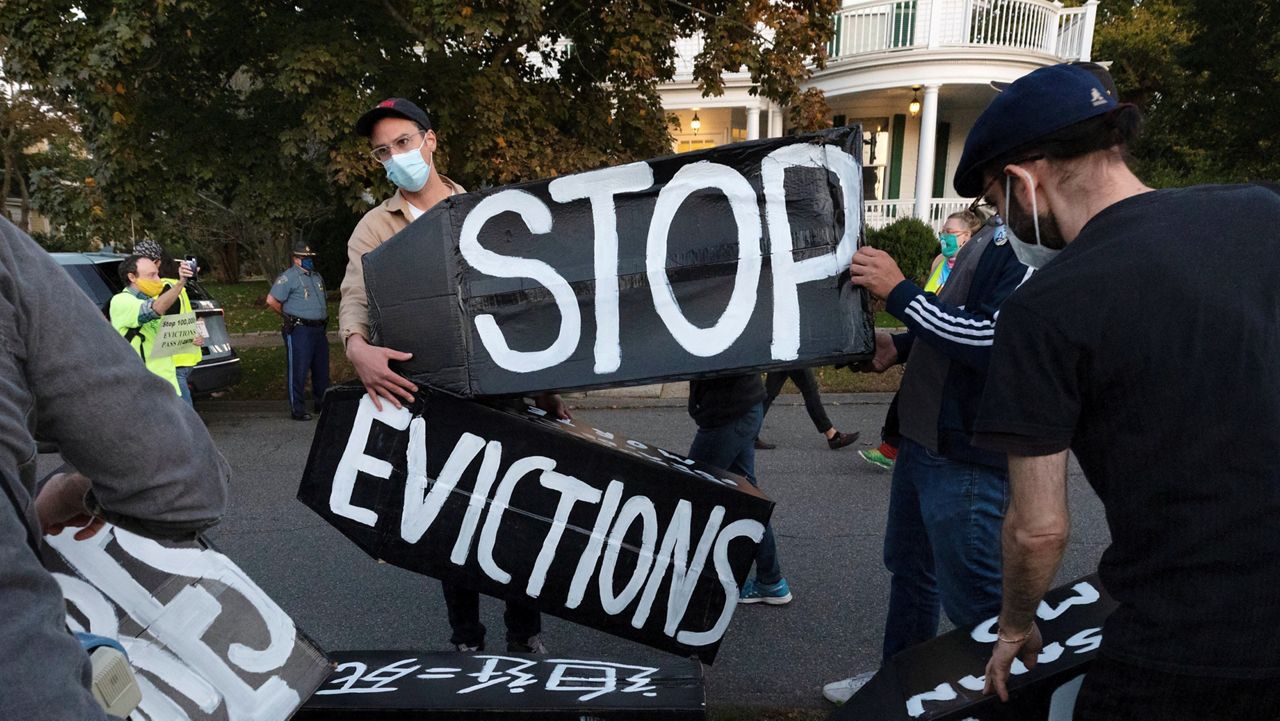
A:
[402,144]
[980,203]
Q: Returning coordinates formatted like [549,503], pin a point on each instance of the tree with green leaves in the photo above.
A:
[228,123]
[1206,74]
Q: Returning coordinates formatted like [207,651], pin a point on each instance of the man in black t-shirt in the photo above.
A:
[1155,319]
[729,412]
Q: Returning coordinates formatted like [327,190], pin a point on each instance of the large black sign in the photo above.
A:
[405,685]
[725,260]
[942,679]
[584,524]
[206,643]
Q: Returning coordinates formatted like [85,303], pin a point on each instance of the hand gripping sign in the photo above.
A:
[581,523]
[942,679]
[728,260]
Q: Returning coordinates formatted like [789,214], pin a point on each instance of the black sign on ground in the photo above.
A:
[403,685]
[205,642]
[721,261]
[942,679]
[582,523]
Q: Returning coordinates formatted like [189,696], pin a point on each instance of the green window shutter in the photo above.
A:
[897,139]
[940,160]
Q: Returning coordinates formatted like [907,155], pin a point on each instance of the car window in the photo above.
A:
[93,285]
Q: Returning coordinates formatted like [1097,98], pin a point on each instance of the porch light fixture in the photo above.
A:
[696,124]
[914,106]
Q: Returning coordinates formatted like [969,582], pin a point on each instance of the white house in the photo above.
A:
[914,73]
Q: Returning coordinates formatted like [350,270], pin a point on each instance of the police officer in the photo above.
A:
[298,296]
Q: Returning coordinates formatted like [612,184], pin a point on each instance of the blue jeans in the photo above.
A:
[183,373]
[942,544]
[732,446]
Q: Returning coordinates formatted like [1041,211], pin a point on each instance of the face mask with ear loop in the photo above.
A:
[1033,256]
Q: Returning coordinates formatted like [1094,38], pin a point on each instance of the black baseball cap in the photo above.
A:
[392,107]
[1033,106]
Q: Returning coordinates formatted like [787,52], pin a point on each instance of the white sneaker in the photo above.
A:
[838,692]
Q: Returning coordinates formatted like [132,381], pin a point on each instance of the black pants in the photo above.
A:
[1117,691]
[808,385]
[464,618]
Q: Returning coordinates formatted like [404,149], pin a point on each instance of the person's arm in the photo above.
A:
[1036,528]
[964,334]
[279,293]
[165,300]
[155,470]
[371,362]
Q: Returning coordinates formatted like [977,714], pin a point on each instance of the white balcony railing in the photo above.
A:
[880,213]
[1028,25]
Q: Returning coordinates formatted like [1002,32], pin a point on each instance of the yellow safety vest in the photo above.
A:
[184,360]
[124,317]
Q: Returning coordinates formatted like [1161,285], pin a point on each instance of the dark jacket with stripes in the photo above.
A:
[964,334]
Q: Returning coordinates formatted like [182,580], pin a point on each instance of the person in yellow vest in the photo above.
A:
[136,311]
[182,362]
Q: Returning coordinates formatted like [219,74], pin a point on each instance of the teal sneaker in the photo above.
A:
[876,458]
[775,595]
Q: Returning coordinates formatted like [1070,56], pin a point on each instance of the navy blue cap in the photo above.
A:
[1033,106]
[394,107]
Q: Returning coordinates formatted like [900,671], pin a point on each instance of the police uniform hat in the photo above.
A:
[302,249]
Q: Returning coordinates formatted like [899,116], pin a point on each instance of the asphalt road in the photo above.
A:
[829,521]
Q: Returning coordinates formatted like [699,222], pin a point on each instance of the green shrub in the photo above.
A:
[911,243]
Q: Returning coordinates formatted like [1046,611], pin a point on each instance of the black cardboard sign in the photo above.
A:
[582,523]
[721,261]
[942,679]
[204,640]
[404,685]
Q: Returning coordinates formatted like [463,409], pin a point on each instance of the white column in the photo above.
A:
[753,122]
[1090,17]
[924,160]
[775,121]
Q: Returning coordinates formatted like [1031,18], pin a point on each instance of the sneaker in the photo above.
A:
[533,644]
[838,692]
[764,445]
[775,595]
[840,440]
[468,648]
[876,458]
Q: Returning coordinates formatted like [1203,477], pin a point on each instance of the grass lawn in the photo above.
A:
[246,306]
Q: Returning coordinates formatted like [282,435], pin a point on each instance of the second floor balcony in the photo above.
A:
[1034,26]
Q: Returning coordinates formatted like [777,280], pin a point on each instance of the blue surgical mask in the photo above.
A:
[409,170]
[308,264]
[950,244]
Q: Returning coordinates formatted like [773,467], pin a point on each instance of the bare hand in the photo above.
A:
[886,352]
[371,363]
[184,272]
[60,504]
[199,341]
[552,403]
[875,270]
[1001,663]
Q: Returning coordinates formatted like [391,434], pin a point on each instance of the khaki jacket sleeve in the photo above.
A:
[353,308]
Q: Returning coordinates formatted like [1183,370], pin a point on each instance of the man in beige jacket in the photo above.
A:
[402,140]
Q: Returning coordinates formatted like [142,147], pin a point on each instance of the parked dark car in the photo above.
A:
[219,368]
